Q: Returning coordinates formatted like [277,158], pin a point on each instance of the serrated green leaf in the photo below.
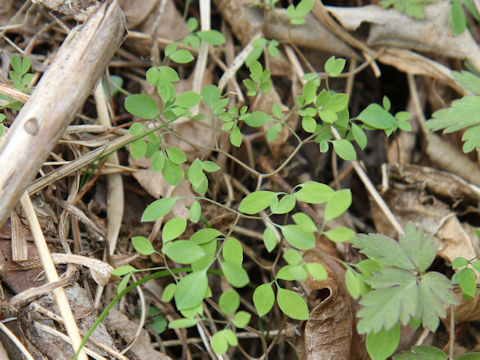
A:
[241,319]
[255,202]
[229,302]
[158,208]
[212,37]
[434,291]
[235,274]
[338,203]
[384,250]
[182,323]
[314,193]
[269,239]
[292,304]
[297,237]
[142,106]
[420,250]
[394,298]
[173,228]
[263,299]
[232,251]
[377,117]
[422,353]
[183,251]
[206,235]
[191,290]
[384,343]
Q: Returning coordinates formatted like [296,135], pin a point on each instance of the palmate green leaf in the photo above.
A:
[434,291]
[383,249]
[464,113]
[394,298]
[384,343]
[256,201]
[422,353]
[191,290]
[421,250]
[263,298]
[292,304]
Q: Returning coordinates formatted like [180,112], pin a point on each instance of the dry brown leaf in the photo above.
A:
[136,11]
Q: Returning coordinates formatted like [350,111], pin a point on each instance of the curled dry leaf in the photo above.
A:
[329,333]
[432,34]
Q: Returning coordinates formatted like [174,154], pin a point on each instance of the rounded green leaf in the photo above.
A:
[173,228]
[352,282]
[257,118]
[183,251]
[219,343]
[340,234]
[285,205]
[269,238]
[123,270]
[292,272]
[384,343]
[298,238]
[182,323]
[191,290]
[241,319]
[229,302]
[123,283]
[292,304]
[168,292]
[210,94]
[256,201]
[263,299]
[172,173]
[142,245]
[235,274]
[293,257]
[138,148]
[206,235]
[158,161]
[187,99]
[344,149]
[232,251]
[304,221]
[457,16]
[313,192]
[467,280]
[231,337]
[141,105]
[212,37]
[334,67]
[236,136]
[181,56]
[376,117]
[158,208]
[136,129]
[338,204]
[359,136]
[317,271]
[176,155]
[210,166]
[459,262]
[195,211]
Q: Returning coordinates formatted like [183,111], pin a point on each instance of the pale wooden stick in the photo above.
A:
[60,93]
[52,276]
